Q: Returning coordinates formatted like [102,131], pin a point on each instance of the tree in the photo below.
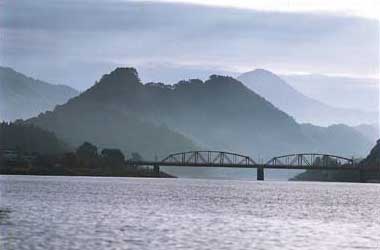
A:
[26,138]
[87,152]
[70,160]
[136,157]
[113,157]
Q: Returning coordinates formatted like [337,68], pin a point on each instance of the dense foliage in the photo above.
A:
[30,139]
[85,161]
[373,159]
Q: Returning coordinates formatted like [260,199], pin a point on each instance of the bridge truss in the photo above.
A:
[207,158]
[310,160]
[233,160]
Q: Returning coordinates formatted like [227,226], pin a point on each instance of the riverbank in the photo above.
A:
[338,176]
[64,171]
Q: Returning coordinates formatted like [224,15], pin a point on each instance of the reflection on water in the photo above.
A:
[4,216]
[132,213]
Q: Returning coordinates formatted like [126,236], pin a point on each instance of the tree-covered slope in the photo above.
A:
[30,139]
[98,116]
[373,159]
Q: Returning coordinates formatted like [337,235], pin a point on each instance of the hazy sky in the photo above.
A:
[362,8]
[76,41]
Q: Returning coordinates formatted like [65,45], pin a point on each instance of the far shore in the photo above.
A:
[143,173]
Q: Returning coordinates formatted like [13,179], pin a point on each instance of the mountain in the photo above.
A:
[156,119]
[370,131]
[301,107]
[338,91]
[340,137]
[101,115]
[172,73]
[23,97]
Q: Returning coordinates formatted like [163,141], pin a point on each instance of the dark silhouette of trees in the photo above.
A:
[28,138]
[70,159]
[373,159]
[87,152]
[27,149]
[113,157]
[136,157]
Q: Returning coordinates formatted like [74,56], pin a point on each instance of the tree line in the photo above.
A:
[27,149]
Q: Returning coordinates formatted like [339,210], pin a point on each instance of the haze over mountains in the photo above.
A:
[221,113]
[346,100]
[370,131]
[338,91]
[23,97]
[301,107]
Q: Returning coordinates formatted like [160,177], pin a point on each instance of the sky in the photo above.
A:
[74,42]
[360,8]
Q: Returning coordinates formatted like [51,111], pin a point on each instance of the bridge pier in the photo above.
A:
[156,170]
[260,173]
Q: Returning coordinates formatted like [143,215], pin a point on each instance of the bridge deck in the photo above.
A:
[253,166]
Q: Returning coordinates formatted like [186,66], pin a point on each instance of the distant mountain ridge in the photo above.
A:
[370,131]
[339,91]
[23,97]
[340,138]
[156,119]
[301,107]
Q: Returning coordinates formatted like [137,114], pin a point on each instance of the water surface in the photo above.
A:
[134,213]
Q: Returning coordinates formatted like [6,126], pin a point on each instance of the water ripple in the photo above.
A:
[132,213]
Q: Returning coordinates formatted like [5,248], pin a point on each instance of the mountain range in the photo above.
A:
[23,97]
[303,108]
[349,100]
[220,113]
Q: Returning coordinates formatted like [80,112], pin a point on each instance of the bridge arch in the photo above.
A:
[310,160]
[208,158]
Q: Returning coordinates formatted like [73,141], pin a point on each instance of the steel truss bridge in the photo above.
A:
[233,160]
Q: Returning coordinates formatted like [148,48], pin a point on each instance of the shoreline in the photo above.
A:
[140,175]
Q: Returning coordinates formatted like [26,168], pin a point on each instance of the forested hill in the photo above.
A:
[156,119]
[30,139]
[99,116]
[373,159]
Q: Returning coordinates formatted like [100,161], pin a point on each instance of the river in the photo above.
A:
[91,213]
